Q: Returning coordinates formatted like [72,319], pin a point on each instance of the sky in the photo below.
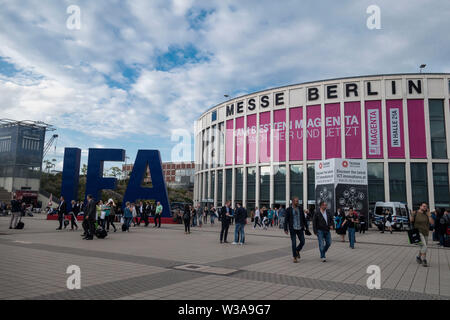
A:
[136,71]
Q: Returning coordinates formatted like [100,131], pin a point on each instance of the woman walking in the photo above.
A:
[421,220]
[187,219]
[351,221]
[111,215]
[128,216]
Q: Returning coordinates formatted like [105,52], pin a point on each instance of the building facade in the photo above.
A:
[260,149]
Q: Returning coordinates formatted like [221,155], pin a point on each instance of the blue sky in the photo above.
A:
[137,70]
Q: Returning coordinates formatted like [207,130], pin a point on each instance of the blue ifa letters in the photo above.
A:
[95,182]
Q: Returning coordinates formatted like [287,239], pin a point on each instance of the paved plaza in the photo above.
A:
[166,264]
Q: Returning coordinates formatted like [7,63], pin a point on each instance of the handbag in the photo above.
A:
[413,235]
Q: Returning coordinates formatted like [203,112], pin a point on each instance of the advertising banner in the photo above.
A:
[353,142]
[296,134]
[394,115]
[252,138]
[240,140]
[374,130]
[416,129]
[313,133]
[229,143]
[332,131]
[279,135]
[264,137]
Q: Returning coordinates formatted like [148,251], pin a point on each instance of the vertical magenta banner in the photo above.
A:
[264,137]
[296,134]
[332,130]
[229,143]
[313,133]
[352,122]
[374,130]
[279,135]
[240,140]
[252,138]
[395,133]
[416,129]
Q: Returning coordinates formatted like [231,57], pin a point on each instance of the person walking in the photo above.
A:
[389,221]
[362,223]
[158,213]
[281,215]
[206,211]
[101,213]
[140,213]
[322,224]
[90,215]
[421,220]
[187,219]
[241,221]
[74,214]
[295,225]
[200,215]
[16,212]
[257,218]
[225,216]
[112,215]
[212,215]
[341,226]
[440,226]
[383,220]
[62,211]
[350,222]
[128,216]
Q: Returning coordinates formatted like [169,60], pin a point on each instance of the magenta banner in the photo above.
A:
[353,141]
[240,140]
[252,138]
[229,143]
[416,129]
[313,133]
[332,131]
[296,134]
[374,130]
[394,120]
[279,135]
[264,137]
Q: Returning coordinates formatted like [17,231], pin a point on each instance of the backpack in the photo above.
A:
[101,233]
[124,227]
[20,225]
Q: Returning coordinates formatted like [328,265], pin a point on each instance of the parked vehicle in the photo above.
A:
[399,212]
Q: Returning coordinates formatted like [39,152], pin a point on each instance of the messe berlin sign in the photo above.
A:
[95,182]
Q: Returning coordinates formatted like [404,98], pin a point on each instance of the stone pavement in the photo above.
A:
[149,263]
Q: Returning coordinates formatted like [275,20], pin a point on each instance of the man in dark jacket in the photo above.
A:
[62,211]
[295,222]
[240,218]
[323,222]
[225,217]
[89,216]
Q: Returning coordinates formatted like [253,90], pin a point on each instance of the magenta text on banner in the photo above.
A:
[264,137]
[374,130]
[394,120]
[353,142]
[279,135]
[240,140]
[416,129]
[229,143]
[332,131]
[296,134]
[252,138]
[313,133]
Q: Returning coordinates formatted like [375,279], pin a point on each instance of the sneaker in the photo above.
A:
[234,242]
[424,263]
[324,260]
[419,260]
[241,244]
[295,260]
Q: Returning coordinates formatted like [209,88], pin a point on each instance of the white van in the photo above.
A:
[399,211]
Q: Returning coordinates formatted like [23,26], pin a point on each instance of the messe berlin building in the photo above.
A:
[260,149]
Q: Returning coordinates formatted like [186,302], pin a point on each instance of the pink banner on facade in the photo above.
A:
[229,143]
[394,120]
[332,130]
[252,138]
[416,129]
[296,134]
[374,130]
[352,122]
[279,135]
[264,137]
[313,133]
[239,132]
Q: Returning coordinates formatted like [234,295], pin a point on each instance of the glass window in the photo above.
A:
[437,129]
[213,146]
[375,176]
[200,189]
[264,186]
[311,182]
[207,186]
[219,188]
[419,184]
[239,176]
[441,186]
[221,137]
[213,181]
[251,188]
[214,116]
[296,182]
[229,184]
[208,149]
[397,182]
[279,184]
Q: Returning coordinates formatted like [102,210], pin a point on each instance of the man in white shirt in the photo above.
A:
[257,218]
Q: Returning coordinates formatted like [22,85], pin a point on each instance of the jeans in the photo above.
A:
[128,222]
[301,237]
[351,237]
[194,221]
[239,232]
[441,237]
[212,217]
[324,238]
